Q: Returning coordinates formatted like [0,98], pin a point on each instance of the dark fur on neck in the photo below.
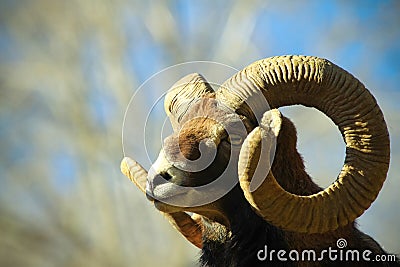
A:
[239,246]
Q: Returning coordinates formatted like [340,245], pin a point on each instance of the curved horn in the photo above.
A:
[314,82]
[189,227]
[182,94]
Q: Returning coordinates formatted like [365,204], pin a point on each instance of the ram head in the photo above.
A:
[232,160]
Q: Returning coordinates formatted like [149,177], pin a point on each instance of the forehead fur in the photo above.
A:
[206,118]
[203,107]
[212,109]
[200,128]
[195,131]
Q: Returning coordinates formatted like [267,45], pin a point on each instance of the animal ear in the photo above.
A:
[182,94]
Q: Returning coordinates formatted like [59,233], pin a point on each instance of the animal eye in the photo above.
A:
[235,139]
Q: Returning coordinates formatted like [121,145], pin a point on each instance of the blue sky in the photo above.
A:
[351,34]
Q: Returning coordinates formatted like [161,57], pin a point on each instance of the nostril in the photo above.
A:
[161,178]
[166,176]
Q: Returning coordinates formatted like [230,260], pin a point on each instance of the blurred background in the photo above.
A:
[69,68]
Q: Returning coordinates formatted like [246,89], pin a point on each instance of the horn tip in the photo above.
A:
[126,164]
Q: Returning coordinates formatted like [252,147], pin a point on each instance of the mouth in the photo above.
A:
[164,192]
[164,196]
[164,207]
[171,198]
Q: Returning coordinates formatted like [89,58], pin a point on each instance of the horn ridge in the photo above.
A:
[182,94]
[318,83]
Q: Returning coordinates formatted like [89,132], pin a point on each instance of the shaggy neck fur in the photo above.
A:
[239,246]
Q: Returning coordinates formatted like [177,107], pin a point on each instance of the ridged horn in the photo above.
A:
[182,94]
[318,83]
[189,227]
